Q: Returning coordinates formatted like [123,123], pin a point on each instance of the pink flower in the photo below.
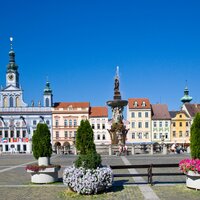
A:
[190,164]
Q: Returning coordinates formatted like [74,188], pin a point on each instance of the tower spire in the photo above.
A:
[186,98]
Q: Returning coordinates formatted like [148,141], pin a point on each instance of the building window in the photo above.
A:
[174,133]
[139,124]
[154,135]
[166,124]
[11,102]
[133,135]
[160,124]
[146,114]
[98,137]
[66,134]
[57,134]
[34,122]
[187,124]
[174,124]
[160,135]
[98,126]
[140,135]
[180,134]
[133,115]
[154,124]
[146,124]
[103,137]
[180,116]
[75,123]
[47,102]
[93,127]
[103,126]
[65,122]
[133,124]
[135,104]
[47,122]
[74,133]
[166,135]
[143,104]
[6,134]
[187,134]
[11,134]
[0,133]
[180,124]
[24,133]
[139,114]
[70,123]
[57,123]
[18,133]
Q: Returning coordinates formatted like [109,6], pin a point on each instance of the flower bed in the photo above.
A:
[87,181]
[37,168]
[190,165]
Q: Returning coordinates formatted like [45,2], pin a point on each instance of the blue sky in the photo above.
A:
[78,44]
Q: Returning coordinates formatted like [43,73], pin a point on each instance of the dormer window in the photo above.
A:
[143,104]
[135,104]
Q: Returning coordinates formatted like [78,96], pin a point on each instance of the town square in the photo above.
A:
[99,100]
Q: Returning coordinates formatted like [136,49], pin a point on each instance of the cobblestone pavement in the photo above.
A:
[15,182]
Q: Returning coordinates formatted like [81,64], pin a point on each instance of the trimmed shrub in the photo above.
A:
[89,161]
[195,137]
[41,141]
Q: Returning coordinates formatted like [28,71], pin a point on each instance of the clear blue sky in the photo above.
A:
[78,45]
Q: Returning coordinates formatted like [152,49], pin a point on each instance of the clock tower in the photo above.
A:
[12,75]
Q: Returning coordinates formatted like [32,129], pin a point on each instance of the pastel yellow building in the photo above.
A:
[180,127]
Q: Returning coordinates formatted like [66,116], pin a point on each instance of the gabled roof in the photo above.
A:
[11,88]
[72,104]
[98,112]
[160,111]
[174,113]
[192,109]
[139,103]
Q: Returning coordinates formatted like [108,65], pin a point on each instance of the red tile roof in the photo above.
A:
[139,101]
[73,104]
[160,112]
[98,112]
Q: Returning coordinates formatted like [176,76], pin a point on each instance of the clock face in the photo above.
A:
[10,77]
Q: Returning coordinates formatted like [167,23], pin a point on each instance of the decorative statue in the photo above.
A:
[116,84]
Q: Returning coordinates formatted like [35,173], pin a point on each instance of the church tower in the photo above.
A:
[12,95]
[186,98]
[48,96]
[12,75]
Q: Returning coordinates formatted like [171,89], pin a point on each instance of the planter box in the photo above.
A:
[193,180]
[48,175]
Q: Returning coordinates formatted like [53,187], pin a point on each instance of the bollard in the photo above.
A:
[133,150]
[110,150]
[151,149]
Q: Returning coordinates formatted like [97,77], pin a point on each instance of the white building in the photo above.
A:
[99,122]
[18,120]
[139,116]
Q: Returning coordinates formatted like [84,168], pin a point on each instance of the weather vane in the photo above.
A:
[117,72]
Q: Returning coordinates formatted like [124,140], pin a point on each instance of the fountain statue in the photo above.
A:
[118,130]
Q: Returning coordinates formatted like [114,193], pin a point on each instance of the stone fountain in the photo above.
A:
[118,130]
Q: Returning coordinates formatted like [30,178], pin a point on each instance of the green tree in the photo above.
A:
[195,137]
[88,157]
[85,138]
[41,141]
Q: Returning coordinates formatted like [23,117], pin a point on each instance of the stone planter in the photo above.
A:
[193,180]
[48,175]
[45,161]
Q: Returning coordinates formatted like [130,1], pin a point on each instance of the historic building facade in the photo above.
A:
[139,117]
[99,122]
[161,123]
[18,120]
[180,127]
